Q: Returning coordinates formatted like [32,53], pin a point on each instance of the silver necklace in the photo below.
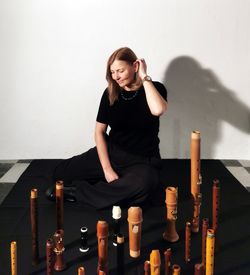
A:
[129,98]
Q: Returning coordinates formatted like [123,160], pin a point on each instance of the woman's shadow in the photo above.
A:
[198,101]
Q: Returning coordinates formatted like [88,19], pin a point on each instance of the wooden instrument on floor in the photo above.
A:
[120,254]
[204,240]
[187,242]
[84,247]
[167,258]
[59,205]
[210,252]
[146,268]
[155,262]
[13,257]
[116,215]
[102,237]
[176,269]
[134,228]
[195,179]
[59,250]
[50,256]
[216,206]
[81,270]
[170,233]
[198,269]
[34,226]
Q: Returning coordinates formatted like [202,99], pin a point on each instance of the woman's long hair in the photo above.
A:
[122,54]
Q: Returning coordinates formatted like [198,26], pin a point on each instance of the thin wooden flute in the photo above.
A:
[187,242]
[59,250]
[155,262]
[147,267]
[170,233]
[50,256]
[102,237]
[120,254]
[13,257]
[195,179]
[116,215]
[204,240]
[176,269]
[216,206]
[34,226]
[134,228]
[198,269]
[167,257]
[59,205]
[210,252]
[81,270]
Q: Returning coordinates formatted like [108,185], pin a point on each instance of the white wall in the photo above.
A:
[53,55]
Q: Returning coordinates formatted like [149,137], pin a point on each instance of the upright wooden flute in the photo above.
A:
[204,240]
[59,250]
[120,254]
[187,242]
[147,268]
[102,237]
[167,257]
[13,257]
[210,252]
[170,233]
[81,270]
[155,262]
[34,226]
[216,205]
[176,269]
[198,269]
[195,179]
[59,204]
[50,256]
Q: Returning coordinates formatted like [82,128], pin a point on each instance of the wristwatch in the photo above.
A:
[146,78]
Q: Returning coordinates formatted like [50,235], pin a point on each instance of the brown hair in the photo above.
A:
[123,54]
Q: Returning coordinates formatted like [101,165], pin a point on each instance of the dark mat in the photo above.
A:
[233,234]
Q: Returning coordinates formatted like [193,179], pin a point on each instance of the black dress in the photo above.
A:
[133,147]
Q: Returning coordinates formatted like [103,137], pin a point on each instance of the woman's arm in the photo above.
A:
[101,145]
[157,104]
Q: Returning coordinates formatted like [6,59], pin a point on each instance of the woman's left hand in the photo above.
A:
[142,68]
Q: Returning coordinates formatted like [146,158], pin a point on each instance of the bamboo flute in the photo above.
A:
[167,257]
[170,233]
[59,204]
[195,179]
[34,226]
[155,262]
[13,257]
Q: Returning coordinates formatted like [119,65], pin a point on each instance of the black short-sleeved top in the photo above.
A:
[132,126]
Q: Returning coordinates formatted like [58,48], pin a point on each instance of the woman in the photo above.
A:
[124,166]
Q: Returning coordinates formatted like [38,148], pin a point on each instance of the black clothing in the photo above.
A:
[133,127]
[133,149]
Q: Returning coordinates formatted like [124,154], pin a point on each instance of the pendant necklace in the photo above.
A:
[129,98]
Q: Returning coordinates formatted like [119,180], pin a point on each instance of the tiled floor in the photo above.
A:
[11,170]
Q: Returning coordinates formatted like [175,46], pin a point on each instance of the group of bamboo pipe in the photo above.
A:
[54,246]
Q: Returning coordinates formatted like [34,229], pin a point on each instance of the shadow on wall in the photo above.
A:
[197,101]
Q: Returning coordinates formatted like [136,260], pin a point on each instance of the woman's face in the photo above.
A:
[123,73]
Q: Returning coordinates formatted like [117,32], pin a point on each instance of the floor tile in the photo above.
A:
[241,174]
[245,163]
[14,172]
[231,162]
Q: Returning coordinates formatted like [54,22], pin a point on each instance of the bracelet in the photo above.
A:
[146,78]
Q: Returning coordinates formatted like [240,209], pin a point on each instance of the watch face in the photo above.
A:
[147,78]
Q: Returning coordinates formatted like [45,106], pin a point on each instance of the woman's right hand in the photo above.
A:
[110,175]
